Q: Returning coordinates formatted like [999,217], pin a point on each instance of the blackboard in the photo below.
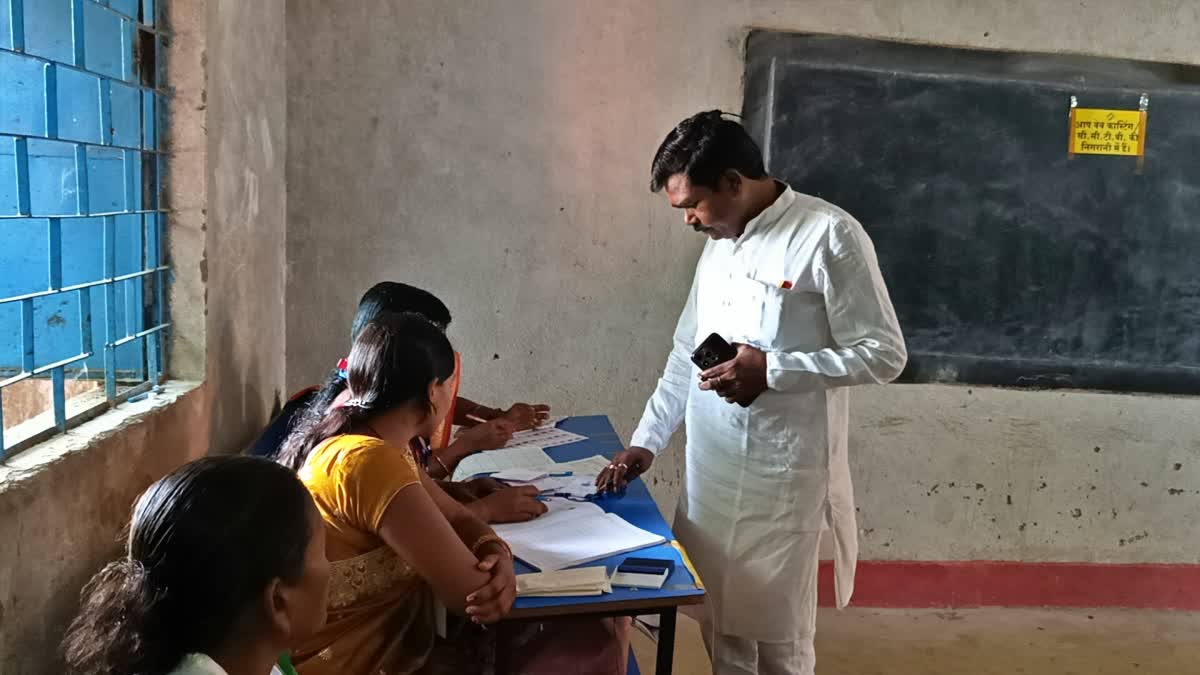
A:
[1009,262]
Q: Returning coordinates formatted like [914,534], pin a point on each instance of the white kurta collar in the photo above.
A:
[769,215]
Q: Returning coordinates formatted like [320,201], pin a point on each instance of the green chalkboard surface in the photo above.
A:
[1009,262]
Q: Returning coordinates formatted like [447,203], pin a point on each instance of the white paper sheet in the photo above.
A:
[489,461]
[519,475]
[544,437]
[591,466]
[567,479]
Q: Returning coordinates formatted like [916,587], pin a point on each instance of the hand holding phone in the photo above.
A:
[713,352]
[738,375]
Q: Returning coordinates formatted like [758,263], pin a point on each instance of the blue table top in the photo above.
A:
[635,506]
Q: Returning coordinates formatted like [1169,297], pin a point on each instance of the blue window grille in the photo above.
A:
[82,268]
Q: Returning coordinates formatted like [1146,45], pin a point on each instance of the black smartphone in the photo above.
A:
[646,566]
[713,351]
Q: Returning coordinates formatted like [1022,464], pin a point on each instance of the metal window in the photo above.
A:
[82,103]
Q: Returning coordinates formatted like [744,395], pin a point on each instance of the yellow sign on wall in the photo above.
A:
[1095,131]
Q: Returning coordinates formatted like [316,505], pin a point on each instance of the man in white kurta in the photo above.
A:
[797,287]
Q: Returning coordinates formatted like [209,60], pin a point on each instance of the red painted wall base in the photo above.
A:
[987,583]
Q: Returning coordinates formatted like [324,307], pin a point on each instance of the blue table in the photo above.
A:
[637,507]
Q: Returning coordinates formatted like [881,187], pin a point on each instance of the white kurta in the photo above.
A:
[760,482]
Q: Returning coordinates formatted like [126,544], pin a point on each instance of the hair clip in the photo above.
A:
[343,369]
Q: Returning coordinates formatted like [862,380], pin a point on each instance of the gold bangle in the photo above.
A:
[433,454]
[489,539]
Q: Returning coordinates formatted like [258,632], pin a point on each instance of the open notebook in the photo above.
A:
[573,533]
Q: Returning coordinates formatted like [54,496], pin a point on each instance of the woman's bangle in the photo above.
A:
[490,539]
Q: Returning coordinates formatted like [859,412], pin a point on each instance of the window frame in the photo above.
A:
[143,47]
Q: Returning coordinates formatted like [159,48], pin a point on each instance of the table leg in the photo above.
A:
[666,642]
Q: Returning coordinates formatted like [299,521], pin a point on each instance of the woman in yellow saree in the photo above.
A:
[397,543]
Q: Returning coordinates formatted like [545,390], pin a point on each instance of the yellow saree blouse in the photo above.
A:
[382,616]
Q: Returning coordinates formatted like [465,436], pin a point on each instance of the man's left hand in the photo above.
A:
[739,380]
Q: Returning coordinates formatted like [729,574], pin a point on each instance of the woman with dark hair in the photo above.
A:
[484,428]
[489,500]
[224,569]
[383,297]
[398,543]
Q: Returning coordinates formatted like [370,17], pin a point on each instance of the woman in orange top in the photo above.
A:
[482,428]
[397,542]
[486,498]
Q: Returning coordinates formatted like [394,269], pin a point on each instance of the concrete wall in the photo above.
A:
[247,117]
[497,153]
[63,505]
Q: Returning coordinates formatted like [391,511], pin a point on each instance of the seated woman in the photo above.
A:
[485,498]
[224,568]
[397,541]
[395,297]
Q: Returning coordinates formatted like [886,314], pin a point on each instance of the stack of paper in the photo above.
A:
[491,461]
[554,504]
[533,466]
[591,466]
[573,536]
[576,582]
[581,481]
[520,475]
[566,485]
[575,479]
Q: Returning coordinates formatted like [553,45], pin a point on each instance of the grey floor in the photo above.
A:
[982,642]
